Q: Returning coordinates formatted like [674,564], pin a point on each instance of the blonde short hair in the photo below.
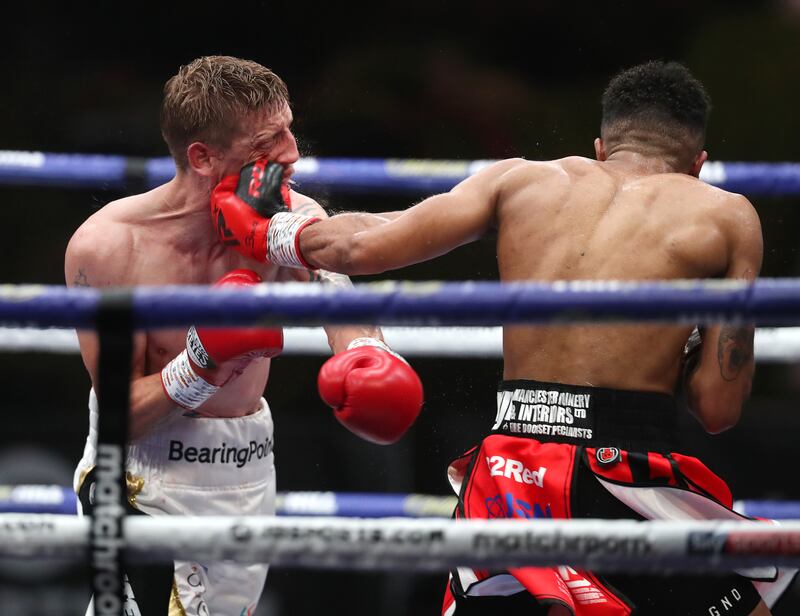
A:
[207,98]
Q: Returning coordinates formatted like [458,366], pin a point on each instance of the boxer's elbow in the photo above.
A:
[718,408]
[713,416]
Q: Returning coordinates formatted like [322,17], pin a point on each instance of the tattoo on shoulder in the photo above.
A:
[80,279]
[734,350]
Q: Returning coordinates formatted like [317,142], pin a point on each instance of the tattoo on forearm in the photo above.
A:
[734,350]
[80,279]
[307,209]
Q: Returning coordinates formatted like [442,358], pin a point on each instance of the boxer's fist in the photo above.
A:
[213,356]
[210,348]
[252,213]
[374,393]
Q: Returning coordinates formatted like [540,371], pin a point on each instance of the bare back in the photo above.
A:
[580,219]
[624,217]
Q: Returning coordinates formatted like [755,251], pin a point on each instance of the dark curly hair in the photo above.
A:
[661,101]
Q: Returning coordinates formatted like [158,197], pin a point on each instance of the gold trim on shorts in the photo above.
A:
[175,606]
[82,477]
[135,486]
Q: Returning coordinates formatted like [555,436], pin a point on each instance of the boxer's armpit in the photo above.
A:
[734,350]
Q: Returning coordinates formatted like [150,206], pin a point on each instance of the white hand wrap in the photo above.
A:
[360,342]
[183,385]
[283,239]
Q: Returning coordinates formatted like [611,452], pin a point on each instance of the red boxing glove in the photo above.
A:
[210,347]
[374,392]
[252,213]
[214,356]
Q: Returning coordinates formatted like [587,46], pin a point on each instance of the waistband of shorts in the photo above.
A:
[632,420]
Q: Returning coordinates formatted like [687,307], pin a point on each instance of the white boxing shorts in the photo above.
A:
[190,465]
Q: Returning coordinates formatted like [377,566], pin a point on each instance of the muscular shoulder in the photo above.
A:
[562,170]
[739,222]
[541,179]
[96,253]
[513,173]
[722,214]
[513,168]
[721,206]
[732,208]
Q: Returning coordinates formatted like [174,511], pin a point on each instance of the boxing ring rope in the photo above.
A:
[422,544]
[772,302]
[55,499]
[61,500]
[772,345]
[115,172]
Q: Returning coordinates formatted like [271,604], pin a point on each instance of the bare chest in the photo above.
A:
[154,264]
[158,264]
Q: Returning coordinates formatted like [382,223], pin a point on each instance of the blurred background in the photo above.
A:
[414,79]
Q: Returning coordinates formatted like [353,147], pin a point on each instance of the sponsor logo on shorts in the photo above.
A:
[224,454]
[726,603]
[509,506]
[544,412]
[581,589]
[608,455]
[516,470]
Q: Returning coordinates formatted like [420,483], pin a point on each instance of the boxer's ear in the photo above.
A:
[599,149]
[698,163]
[203,159]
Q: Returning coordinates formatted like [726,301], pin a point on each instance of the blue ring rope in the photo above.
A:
[62,500]
[384,175]
[774,302]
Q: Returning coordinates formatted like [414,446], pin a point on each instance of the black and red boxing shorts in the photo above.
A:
[563,451]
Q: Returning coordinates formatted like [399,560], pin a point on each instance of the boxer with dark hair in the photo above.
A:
[585,422]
